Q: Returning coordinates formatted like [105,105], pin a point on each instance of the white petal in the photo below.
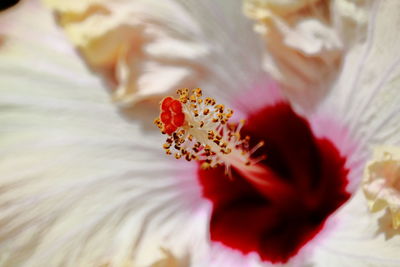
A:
[366,100]
[366,95]
[81,184]
[357,238]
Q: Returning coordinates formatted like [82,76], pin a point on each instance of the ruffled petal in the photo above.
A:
[137,46]
[146,49]
[306,41]
[381,183]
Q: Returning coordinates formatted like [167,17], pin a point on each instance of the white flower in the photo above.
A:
[84,184]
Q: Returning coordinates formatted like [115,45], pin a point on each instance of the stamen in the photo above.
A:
[254,149]
[198,129]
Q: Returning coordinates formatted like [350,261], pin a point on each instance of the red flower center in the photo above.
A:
[246,220]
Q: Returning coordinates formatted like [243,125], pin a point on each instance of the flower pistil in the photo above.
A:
[198,129]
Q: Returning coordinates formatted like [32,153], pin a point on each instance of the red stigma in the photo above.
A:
[176,106]
[166,103]
[171,115]
[166,117]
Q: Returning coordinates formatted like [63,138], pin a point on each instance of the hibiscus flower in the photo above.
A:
[86,184]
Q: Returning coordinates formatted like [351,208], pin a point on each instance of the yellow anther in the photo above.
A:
[198,92]
[210,135]
[210,101]
[205,166]
[166,145]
